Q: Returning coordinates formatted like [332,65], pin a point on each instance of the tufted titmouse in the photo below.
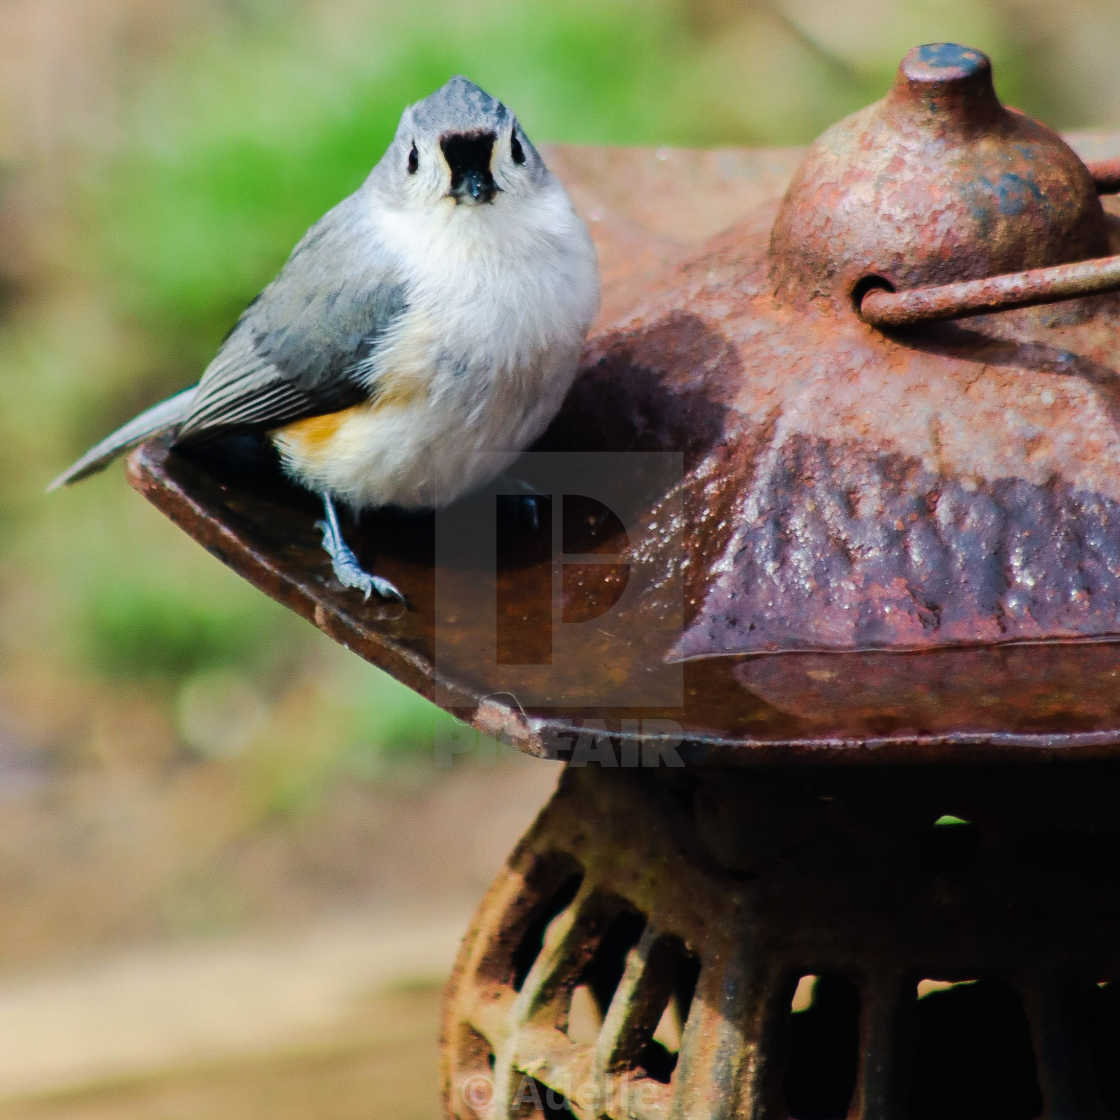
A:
[422,332]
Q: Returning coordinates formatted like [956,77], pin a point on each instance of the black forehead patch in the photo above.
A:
[460,106]
[467,151]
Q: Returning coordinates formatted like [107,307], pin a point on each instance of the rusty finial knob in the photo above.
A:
[934,184]
[947,65]
[946,88]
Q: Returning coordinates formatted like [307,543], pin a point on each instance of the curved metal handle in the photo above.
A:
[1106,175]
[883,307]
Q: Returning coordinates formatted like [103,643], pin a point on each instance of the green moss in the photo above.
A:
[146,628]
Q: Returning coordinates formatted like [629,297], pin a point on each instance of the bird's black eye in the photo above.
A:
[413,160]
[516,150]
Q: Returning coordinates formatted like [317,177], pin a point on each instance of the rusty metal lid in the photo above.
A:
[779,534]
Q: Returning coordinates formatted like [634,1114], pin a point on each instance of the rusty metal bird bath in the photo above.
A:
[866,545]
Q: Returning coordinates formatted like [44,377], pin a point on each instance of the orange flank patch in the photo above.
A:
[312,434]
[316,432]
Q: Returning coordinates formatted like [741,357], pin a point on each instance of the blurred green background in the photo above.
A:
[182,762]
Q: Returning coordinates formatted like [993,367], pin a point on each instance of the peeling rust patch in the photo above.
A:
[838,547]
[511,726]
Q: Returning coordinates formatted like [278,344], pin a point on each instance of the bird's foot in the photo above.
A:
[349,572]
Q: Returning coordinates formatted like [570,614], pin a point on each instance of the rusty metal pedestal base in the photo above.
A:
[710,944]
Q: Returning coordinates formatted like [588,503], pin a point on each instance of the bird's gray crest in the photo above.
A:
[458,105]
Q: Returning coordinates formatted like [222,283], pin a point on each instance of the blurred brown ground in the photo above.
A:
[326,1004]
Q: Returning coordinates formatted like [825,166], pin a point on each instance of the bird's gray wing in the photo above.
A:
[304,346]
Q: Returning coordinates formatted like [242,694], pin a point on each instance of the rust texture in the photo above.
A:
[648,972]
[877,546]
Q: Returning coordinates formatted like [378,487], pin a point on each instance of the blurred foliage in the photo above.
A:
[120,620]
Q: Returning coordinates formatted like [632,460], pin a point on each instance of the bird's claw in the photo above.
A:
[350,573]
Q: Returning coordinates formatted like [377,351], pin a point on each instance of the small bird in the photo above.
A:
[422,333]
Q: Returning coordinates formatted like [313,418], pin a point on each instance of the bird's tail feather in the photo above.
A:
[158,418]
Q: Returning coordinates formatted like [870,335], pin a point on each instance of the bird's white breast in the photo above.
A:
[500,298]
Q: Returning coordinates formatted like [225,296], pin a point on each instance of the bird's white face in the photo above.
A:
[460,148]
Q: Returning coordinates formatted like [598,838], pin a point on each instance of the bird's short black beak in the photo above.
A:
[468,157]
[478,184]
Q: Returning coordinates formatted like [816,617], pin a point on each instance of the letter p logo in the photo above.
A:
[570,607]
